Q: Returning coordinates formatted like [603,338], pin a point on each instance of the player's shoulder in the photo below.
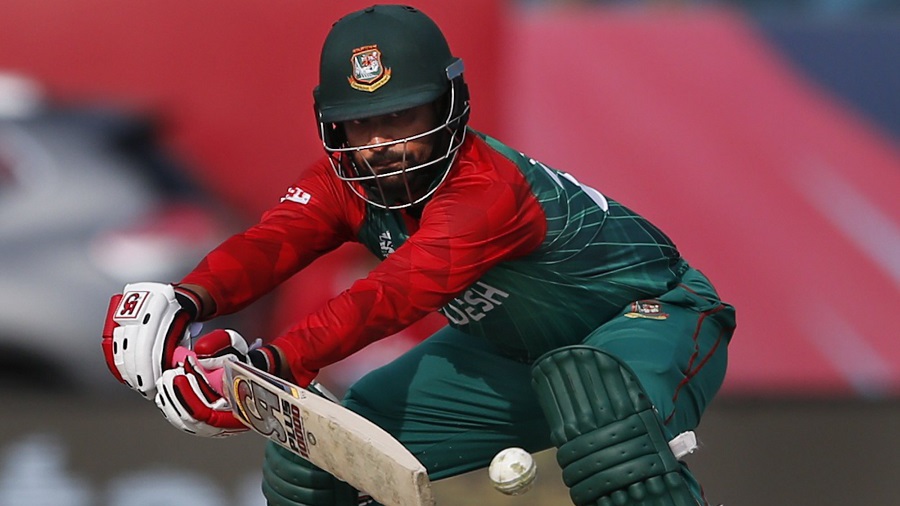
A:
[489,150]
[317,189]
[486,159]
[320,176]
[320,167]
[487,176]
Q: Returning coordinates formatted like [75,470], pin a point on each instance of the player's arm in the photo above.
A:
[310,220]
[472,227]
[148,321]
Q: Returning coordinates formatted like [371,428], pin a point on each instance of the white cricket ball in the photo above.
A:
[512,471]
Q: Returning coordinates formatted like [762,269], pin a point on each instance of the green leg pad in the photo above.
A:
[289,480]
[611,444]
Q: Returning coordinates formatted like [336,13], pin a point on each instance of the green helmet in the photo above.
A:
[380,60]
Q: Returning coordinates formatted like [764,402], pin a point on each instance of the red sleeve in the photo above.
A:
[482,215]
[314,217]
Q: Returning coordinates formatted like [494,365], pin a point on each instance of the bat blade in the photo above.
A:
[328,435]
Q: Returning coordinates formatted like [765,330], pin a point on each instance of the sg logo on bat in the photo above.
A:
[261,407]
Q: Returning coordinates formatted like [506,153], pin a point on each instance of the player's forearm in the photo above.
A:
[251,264]
[365,313]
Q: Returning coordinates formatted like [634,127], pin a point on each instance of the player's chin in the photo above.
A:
[395,197]
[392,193]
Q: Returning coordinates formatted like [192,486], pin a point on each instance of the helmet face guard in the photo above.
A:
[421,180]
[381,60]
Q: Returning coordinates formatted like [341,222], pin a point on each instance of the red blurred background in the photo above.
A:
[781,192]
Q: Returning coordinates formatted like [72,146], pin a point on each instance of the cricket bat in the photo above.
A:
[329,435]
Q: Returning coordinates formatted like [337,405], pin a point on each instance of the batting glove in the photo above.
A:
[143,326]
[191,395]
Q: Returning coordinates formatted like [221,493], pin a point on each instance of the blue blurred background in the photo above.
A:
[762,135]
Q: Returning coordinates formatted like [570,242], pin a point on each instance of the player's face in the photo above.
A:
[400,187]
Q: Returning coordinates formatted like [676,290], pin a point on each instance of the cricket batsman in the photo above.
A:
[572,321]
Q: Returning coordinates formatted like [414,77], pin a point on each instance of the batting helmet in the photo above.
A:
[380,60]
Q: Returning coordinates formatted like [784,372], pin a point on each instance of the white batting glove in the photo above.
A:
[191,395]
[189,402]
[143,327]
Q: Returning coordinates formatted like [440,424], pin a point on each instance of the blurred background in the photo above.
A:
[762,135]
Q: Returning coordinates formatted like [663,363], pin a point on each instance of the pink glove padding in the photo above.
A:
[189,403]
[211,352]
[192,363]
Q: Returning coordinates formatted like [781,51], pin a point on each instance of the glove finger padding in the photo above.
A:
[108,326]
[143,327]
[220,346]
[190,402]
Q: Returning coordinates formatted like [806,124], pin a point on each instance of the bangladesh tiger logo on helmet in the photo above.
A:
[368,73]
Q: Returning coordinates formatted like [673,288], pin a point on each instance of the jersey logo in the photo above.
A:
[386,243]
[296,194]
[368,73]
[651,309]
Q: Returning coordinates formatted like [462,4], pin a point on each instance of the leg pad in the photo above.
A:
[611,443]
[289,480]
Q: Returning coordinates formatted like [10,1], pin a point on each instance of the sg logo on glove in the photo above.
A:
[130,307]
